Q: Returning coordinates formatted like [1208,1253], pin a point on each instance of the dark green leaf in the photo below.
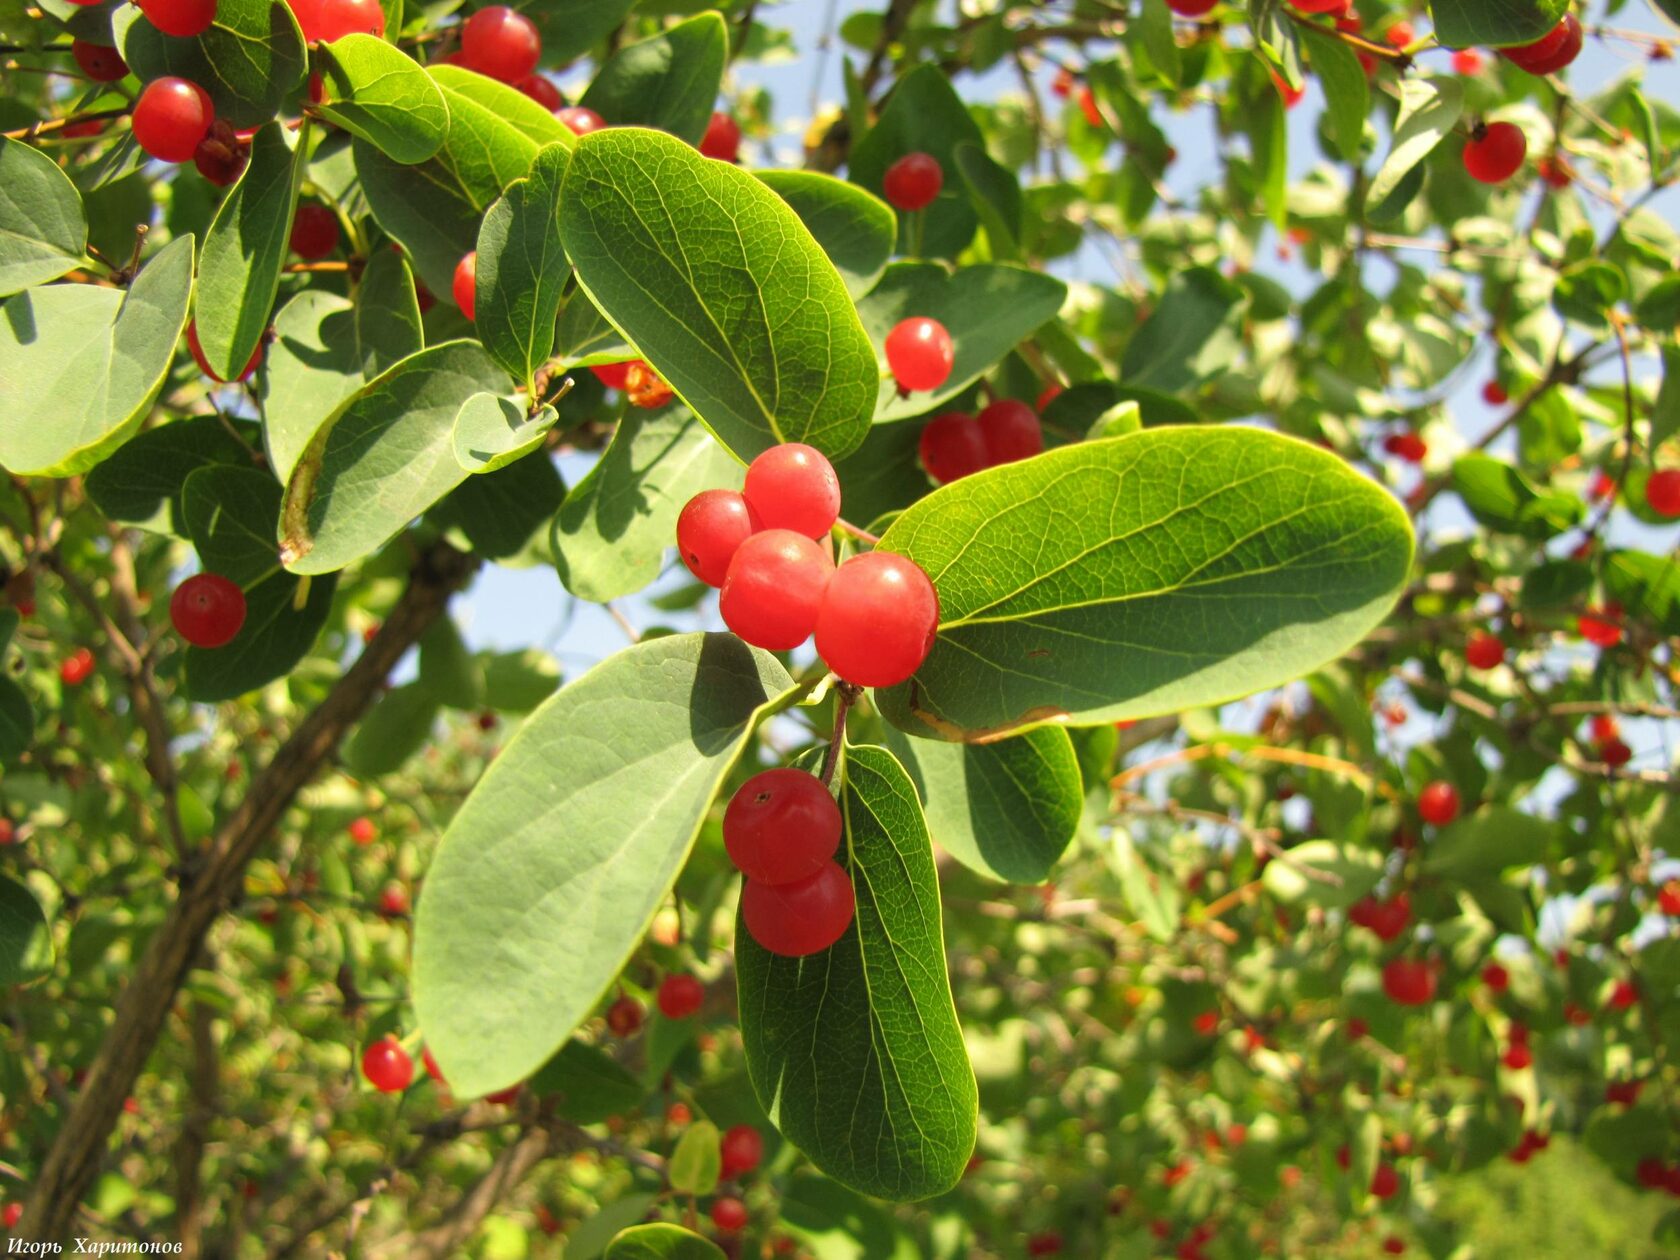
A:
[1347,91]
[1490,840]
[587,1085]
[1191,336]
[571,28]
[522,270]
[517,682]
[854,229]
[42,229]
[1155,27]
[17,721]
[503,512]
[26,948]
[146,474]
[996,196]
[377,92]
[1496,23]
[1586,291]
[447,672]
[669,82]
[1647,586]
[387,314]
[396,728]
[249,59]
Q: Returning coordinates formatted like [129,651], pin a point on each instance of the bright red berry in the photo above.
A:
[1205,1023]
[877,620]
[1010,431]
[711,529]
[76,667]
[1495,152]
[643,387]
[1400,34]
[464,287]
[774,588]
[1623,994]
[1484,650]
[432,1068]
[501,43]
[1191,8]
[1662,492]
[1496,977]
[1389,918]
[387,1066]
[614,375]
[99,63]
[1408,446]
[1320,6]
[913,181]
[581,121]
[1291,95]
[1408,981]
[11,1214]
[1089,107]
[952,447]
[793,486]
[1601,627]
[1438,803]
[8,831]
[207,610]
[1468,61]
[678,1114]
[920,354]
[742,1148]
[314,232]
[722,139]
[1495,395]
[543,92]
[1668,897]
[624,1017]
[1615,753]
[781,827]
[680,996]
[393,900]
[181,18]
[338,18]
[362,831]
[729,1214]
[794,920]
[1385,1182]
[1553,51]
[171,117]
[197,348]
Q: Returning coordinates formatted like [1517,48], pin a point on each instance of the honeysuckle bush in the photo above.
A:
[1275,834]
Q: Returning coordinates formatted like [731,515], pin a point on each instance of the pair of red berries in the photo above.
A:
[912,182]
[207,610]
[920,354]
[77,668]
[1553,51]
[954,445]
[782,830]
[1495,152]
[1386,918]
[874,617]
[323,21]
[1407,445]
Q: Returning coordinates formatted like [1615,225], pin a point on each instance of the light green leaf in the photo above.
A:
[697,1162]
[1586,291]
[239,267]
[1647,586]
[396,728]
[855,1052]
[1496,23]
[1429,110]
[1155,27]
[1346,89]
[249,59]
[1502,499]
[492,432]
[1267,124]
[1006,810]
[42,228]
[661,1242]
[522,270]
[669,82]
[378,92]
[80,365]
[502,101]
[854,229]
[1193,334]
[615,525]
[26,948]
[1324,873]
[1165,570]
[447,672]
[17,720]
[550,873]
[1492,839]
[1153,899]
[722,288]
[310,367]
[517,682]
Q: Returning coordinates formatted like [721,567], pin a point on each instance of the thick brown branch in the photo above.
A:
[195,1133]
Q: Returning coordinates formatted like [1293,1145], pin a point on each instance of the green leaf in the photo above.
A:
[854,229]
[522,270]
[396,728]
[855,1052]
[1007,809]
[1586,291]
[722,288]
[311,366]
[995,194]
[1152,899]
[1496,23]
[518,936]
[1646,586]
[17,721]
[387,314]
[669,82]
[1170,569]
[505,513]
[611,534]
[26,948]
[1191,336]
[492,432]
[229,512]
[517,682]
[988,308]
[1324,873]
[148,472]
[1347,92]
[661,1242]
[1267,125]
[571,28]
[382,458]
[239,266]
[1492,839]
[1155,27]
[377,92]
[80,365]
[42,228]
[697,1162]
[1502,499]
[249,59]
[587,1085]
[924,114]
[1429,110]
[447,672]
[503,102]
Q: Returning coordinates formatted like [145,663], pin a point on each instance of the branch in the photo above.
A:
[511,1166]
[195,1132]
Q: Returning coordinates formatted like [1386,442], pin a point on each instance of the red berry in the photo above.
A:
[1662,492]
[1206,1023]
[614,375]
[1554,170]
[1062,84]
[221,155]
[793,486]
[338,18]
[1191,8]
[678,1114]
[1438,803]
[773,589]
[1088,106]
[1049,1243]
[1385,1182]
[711,529]
[1408,982]
[541,91]
[581,121]
[171,117]
[1600,626]
[742,1148]
[1650,1173]
[680,996]
[952,447]
[1400,34]
[1496,977]
[1010,431]
[464,287]
[8,832]
[644,387]
[197,348]
[1668,897]
[181,18]
[76,667]
[362,831]
[1623,994]
[1321,6]
[11,1214]
[1623,1093]
[794,920]
[308,15]
[314,232]
[624,1017]
[99,63]
[920,354]
[1484,651]
[1408,446]
[722,139]
[503,1097]
[207,610]
[1357,1028]
[781,827]
[501,43]
[1394,1246]
[1604,726]
[729,1214]
[1495,152]
[1553,51]
[432,1069]
[387,1066]
[877,621]
[1614,753]
[1389,918]
[393,900]
[913,181]
[1494,394]
[1468,61]
[1291,95]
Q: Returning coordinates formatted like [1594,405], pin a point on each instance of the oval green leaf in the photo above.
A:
[492,432]
[522,270]
[697,1162]
[856,230]
[661,1242]
[1324,873]
[669,82]
[26,948]
[378,92]
[1429,110]
[42,228]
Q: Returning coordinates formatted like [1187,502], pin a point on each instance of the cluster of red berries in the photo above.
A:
[1518,1056]
[1386,918]
[1601,624]
[782,830]
[874,617]
[636,380]
[76,668]
[1607,743]
[1653,1174]
[1553,51]
[1529,1145]
[956,444]
[207,610]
